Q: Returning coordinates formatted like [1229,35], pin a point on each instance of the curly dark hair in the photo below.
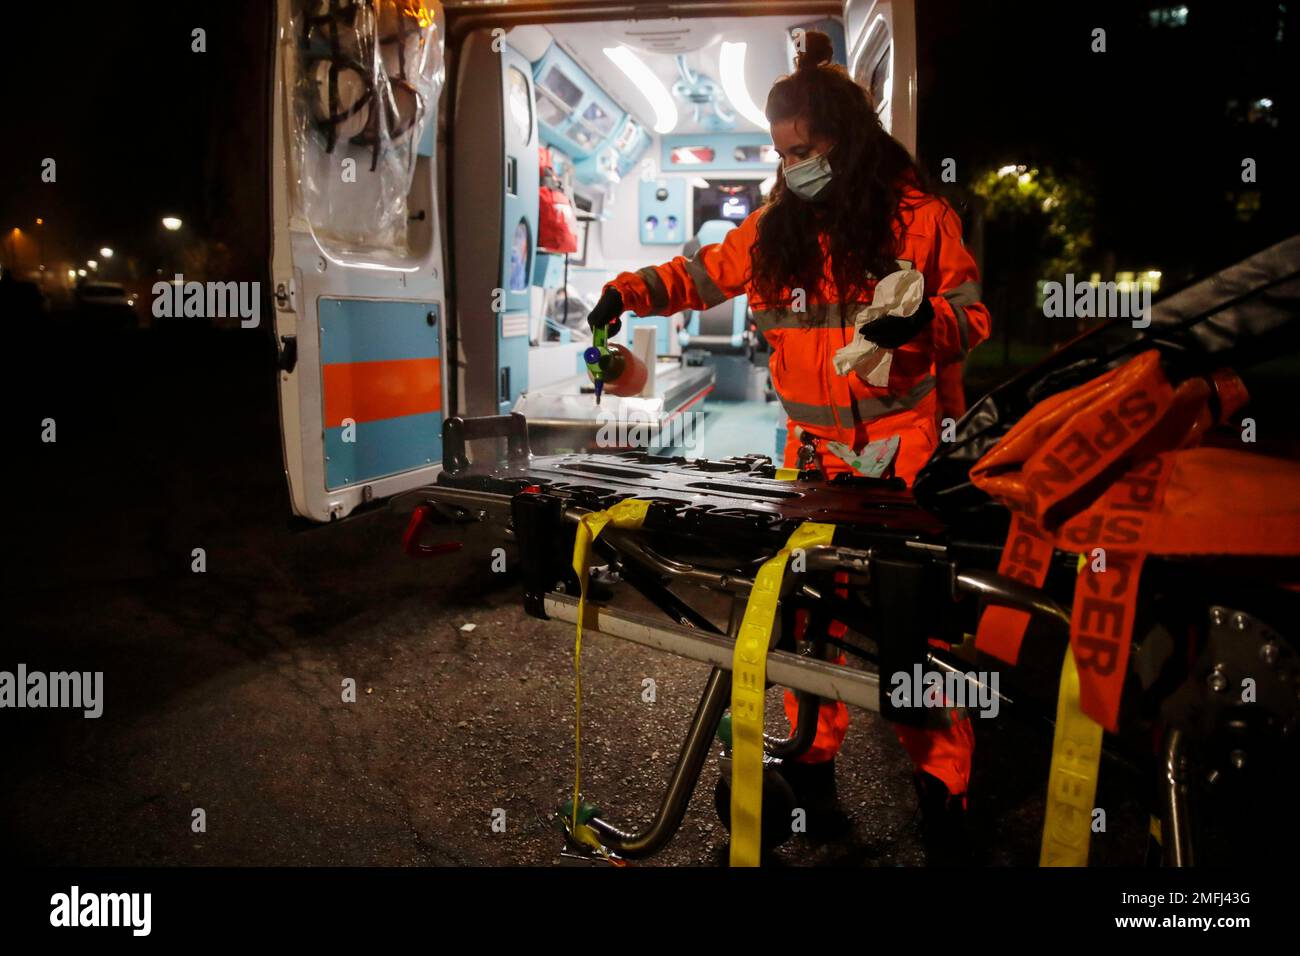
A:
[857,208]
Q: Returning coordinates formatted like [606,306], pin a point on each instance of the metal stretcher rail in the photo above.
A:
[827,680]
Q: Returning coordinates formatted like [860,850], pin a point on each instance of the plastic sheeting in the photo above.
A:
[366,76]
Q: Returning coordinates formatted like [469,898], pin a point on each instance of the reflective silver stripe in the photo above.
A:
[815,317]
[968,293]
[869,408]
[709,292]
[963,329]
[655,286]
[863,410]
[819,415]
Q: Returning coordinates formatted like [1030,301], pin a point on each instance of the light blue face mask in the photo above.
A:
[808,178]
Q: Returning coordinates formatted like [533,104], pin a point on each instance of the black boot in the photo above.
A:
[944,832]
[815,793]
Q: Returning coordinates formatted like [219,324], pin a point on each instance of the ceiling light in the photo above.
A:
[651,87]
[731,63]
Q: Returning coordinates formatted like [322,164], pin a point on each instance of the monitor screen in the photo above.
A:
[725,199]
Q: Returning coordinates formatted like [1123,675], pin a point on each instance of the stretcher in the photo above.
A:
[912,584]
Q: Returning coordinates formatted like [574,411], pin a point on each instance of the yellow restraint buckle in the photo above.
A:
[748,686]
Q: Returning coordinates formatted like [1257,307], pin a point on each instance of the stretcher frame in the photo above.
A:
[688,633]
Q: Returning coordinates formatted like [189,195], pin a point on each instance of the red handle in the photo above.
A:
[410,538]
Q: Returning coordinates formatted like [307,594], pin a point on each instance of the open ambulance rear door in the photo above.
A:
[357,266]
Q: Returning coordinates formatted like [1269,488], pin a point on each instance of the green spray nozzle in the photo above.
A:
[597,356]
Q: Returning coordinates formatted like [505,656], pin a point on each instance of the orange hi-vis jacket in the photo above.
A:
[823,403]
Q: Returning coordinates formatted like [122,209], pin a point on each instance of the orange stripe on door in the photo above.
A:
[366,391]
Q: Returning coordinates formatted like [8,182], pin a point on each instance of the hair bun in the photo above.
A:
[817,49]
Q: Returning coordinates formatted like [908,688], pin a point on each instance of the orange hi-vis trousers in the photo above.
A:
[942,752]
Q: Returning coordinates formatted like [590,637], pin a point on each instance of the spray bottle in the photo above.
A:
[612,367]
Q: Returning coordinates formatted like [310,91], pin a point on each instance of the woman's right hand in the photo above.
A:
[609,307]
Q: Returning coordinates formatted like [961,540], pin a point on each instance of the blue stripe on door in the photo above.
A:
[361,330]
[385,447]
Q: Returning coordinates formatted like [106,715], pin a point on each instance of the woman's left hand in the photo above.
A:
[891,331]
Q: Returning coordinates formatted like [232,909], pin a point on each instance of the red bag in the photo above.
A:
[557,224]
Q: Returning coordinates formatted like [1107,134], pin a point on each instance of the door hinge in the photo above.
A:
[286,295]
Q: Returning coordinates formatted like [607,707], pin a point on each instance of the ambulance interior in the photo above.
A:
[653,132]
[453,186]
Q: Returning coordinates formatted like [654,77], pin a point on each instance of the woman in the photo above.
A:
[847,208]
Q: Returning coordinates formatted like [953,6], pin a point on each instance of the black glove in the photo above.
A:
[609,308]
[891,331]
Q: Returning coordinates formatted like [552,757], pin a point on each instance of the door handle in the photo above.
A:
[286,358]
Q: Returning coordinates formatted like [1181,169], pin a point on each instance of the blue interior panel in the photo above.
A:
[519,238]
[662,211]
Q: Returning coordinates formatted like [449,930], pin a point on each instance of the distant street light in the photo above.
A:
[106,252]
[81,272]
[171,223]
[92,264]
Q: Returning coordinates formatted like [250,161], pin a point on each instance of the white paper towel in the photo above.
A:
[898,293]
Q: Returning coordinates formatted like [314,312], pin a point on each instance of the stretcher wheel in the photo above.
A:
[778,807]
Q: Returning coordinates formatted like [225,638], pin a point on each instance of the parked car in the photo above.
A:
[108,304]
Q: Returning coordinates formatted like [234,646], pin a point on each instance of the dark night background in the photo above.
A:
[168,437]
[141,127]
[1151,133]
[1155,127]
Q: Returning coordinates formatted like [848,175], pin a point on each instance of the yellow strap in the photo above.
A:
[625,514]
[1072,781]
[787,474]
[748,686]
